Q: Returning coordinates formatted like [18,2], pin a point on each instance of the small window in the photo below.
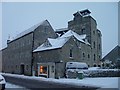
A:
[27,67]
[99,46]
[94,32]
[71,53]
[16,66]
[94,44]
[83,30]
[83,54]
[94,57]
[88,55]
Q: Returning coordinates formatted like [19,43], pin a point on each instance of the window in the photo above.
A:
[83,54]
[16,66]
[94,57]
[94,32]
[88,55]
[99,46]
[47,44]
[27,67]
[83,30]
[71,53]
[94,44]
[43,69]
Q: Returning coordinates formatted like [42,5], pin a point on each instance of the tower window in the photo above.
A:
[99,46]
[94,44]
[94,32]
[88,55]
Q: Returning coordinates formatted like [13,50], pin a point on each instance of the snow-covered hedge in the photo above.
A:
[94,73]
[102,73]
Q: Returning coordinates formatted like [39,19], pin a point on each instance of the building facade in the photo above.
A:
[42,51]
[113,58]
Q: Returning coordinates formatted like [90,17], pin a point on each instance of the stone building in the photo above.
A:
[113,57]
[42,51]
[18,56]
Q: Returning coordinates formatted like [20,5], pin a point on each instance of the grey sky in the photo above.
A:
[17,17]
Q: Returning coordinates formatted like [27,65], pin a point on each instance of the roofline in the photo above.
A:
[47,50]
[20,37]
[110,52]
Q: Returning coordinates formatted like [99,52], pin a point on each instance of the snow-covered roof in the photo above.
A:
[77,36]
[43,23]
[61,29]
[60,41]
[52,44]
[76,65]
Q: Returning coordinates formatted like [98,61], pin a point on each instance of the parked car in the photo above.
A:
[73,68]
[2,82]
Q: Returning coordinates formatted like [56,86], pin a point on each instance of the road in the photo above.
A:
[35,84]
[11,85]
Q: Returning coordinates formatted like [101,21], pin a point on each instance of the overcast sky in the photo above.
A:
[17,17]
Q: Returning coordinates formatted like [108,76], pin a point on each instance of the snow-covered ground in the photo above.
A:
[10,85]
[102,82]
[98,82]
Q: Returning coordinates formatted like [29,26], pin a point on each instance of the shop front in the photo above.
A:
[46,70]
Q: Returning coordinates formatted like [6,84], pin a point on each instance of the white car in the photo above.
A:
[2,82]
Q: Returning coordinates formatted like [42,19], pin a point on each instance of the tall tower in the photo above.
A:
[83,23]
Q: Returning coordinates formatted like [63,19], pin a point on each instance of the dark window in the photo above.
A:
[83,30]
[94,44]
[99,46]
[27,67]
[83,54]
[16,66]
[71,53]
[88,55]
[94,57]
[94,32]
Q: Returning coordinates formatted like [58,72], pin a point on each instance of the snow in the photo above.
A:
[77,36]
[10,85]
[53,44]
[93,68]
[44,23]
[106,82]
[102,82]
[60,41]
[61,29]
[3,80]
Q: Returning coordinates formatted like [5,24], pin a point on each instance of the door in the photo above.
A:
[22,68]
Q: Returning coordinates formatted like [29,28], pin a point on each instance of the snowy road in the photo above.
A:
[10,85]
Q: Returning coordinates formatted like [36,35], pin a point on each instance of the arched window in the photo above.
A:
[83,55]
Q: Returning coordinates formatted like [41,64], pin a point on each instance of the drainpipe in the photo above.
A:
[32,58]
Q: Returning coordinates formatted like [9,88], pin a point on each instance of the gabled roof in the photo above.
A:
[77,36]
[43,23]
[60,41]
[113,54]
[52,44]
